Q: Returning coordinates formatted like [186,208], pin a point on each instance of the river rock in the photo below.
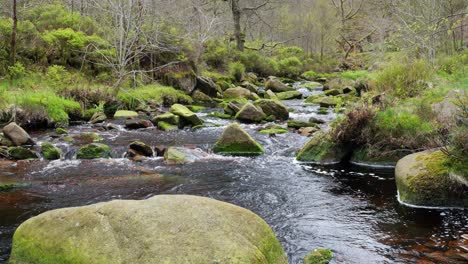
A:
[5,141]
[424,179]
[124,114]
[141,148]
[93,151]
[187,115]
[162,229]
[180,155]
[17,135]
[296,124]
[236,141]
[20,153]
[289,95]
[273,108]
[201,97]
[136,123]
[307,131]
[322,150]
[332,92]
[233,107]
[184,80]
[270,95]
[276,85]
[207,86]
[325,102]
[98,118]
[164,126]
[49,152]
[250,114]
[249,86]
[316,120]
[169,118]
[319,256]
[240,92]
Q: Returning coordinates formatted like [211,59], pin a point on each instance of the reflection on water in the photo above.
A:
[351,210]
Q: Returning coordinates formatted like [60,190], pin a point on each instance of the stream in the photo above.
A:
[351,210]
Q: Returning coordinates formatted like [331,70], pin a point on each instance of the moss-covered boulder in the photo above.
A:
[169,118]
[137,123]
[427,179]
[289,95]
[180,155]
[250,114]
[5,141]
[124,114]
[325,101]
[61,131]
[319,256]
[236,141]
[200,97]
[162,229]
[164,126]
[141,148]
[49,152]
[369,156]
[322,150]
[296,124]
[93,151]
[20,153]
[333,92]
[187,116]
[275,85]
[239,92]
[249,86]
[98,117]
[17,134]
[233,107]
[270,95]
[273,108]
[274,129]
[182,80]
[207,86]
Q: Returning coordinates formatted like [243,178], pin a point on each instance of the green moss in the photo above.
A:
[93,151]
[122,114]
[132,98]
[20,153]
[196,108]
[274,130]
[239,149]
[50,152]
[289,95]
[298,124]
[186,114]
[322,149]
[168,118]
[68,139]
[89,137]
[220,115]
[166,126]
[319,256]
[61,131]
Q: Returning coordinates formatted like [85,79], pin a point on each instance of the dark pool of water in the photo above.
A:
[353,211]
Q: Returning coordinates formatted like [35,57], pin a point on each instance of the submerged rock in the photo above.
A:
[322,150]
[273,108]
[180,155]
[319,256]
[17,135]
[425,179]
[250,113]
[136,123]
[276,85]
[187,115]
[162,229]
[20,153]
[236,141]
[93,151]
[50,152]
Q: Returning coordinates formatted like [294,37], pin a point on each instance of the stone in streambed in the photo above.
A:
[20,153]
[250,113]
[164,126]
[236,141]
[98,118]
[93,151]
[207,87]
[124,114]
[136,123]
[169,118]
[275,85]
[289,95]
[180,155]
[141,148]
[17,135]
[319,256]
[162,229]
[239,92]
[273,108]
[50,152]
[323,150]
[187,115]
[296,124]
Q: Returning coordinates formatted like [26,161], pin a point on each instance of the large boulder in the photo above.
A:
[162,229]
[233,107]
[207,86]
[240,92]
[273,108]
[179,155]
[201,97]
[249,86]
[425,179]
[250,114]
[322,150]
[186,115]
[141,149]
[17,135]
[184,80]
[169,118]
[448,109]
[276,85]
[93,151]
[236,141]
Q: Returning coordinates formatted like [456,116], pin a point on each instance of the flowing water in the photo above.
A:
[352,210]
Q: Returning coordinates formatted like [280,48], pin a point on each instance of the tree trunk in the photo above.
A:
[236,14]
[13,34]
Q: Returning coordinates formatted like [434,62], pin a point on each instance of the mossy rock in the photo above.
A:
[183,80]
[250,114]
[323,101]
[61,131]
[427,179]
[93,151]
[296,124]
[289,95]
[273,108]
[322,150]
[164,126]
[5,141]
[124,114]
[220,115]
[199,96]
[319,256]
[20,153]
[235,141]
[179,155]
[312,85]
[275,85]
[168,118]
[50,152]
[239,92]
[162,229]
[187,115]
[333,92]
[274,130]
[270,95]
[376,157]
[141,148]
[196,108]
[88,137]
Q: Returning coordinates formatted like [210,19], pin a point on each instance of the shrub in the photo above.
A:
[132,98]
[237,69]
[16,71]
[58,76]
[355,75]
[405,79]
[290,67]
[216,54]
[310,75]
